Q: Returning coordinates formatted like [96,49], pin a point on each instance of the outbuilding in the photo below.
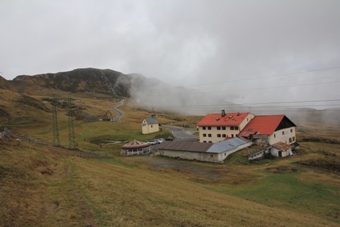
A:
[281,149]
[206,152]
[135,148]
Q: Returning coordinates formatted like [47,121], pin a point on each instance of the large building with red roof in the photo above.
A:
[270,129]
[214,128]
[262,130]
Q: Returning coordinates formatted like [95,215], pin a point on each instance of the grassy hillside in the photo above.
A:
[47,186]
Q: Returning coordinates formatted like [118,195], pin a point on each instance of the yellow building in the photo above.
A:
[214,128]
[150,125]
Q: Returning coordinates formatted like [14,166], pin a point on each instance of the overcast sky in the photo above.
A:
[252,49]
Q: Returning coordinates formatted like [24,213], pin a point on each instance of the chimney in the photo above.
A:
[223,113]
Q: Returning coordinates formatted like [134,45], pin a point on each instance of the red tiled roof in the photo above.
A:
[230,119]
[264,125]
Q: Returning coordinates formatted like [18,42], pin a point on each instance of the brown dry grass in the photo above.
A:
[44,186]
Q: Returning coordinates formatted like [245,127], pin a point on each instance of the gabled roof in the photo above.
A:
[151,120]
[135,144]
[266,125]
[229,119]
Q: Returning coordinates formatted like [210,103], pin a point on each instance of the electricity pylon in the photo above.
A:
[56,141]
[70,125]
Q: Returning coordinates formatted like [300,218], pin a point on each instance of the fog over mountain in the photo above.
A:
[281,53]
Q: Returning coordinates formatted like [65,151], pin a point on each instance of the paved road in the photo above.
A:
[180,133]
[119,112]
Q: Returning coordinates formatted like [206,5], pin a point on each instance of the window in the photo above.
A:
[283,132]
[290,140]
[218,135]
[151,126]
[218,128]
[209,128]
[204,141]
[223,127]
[232,128]
[210,141]
[232,135]
[204,135]
[293,138]
[274,135]
[209,135]
[291,130]
[224,135]
[203,127]
[236,128]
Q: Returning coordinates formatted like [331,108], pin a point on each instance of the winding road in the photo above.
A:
[119,112]
[180,133]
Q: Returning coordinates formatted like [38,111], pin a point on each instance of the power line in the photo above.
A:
[255,78]
[249,89]
[242,105]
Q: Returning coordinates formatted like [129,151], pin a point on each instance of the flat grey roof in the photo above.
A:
[184,146]
[227,145]
[219,147]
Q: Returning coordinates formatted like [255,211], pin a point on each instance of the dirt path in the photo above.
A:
[87,215]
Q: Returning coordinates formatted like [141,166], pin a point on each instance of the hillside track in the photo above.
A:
[119,112]
[180,133]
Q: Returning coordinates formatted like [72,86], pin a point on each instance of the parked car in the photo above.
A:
[160,140]
[152,142]
[169,138]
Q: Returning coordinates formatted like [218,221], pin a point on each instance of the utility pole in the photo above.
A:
[56,141]
[70,125]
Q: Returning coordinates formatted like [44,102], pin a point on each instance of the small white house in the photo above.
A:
[281,149]
[150,125]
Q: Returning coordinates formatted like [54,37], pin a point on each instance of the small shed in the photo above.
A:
[135,148]
[281,149]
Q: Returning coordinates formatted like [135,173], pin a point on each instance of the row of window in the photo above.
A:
[283,132]
[219,135]
[220,128]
